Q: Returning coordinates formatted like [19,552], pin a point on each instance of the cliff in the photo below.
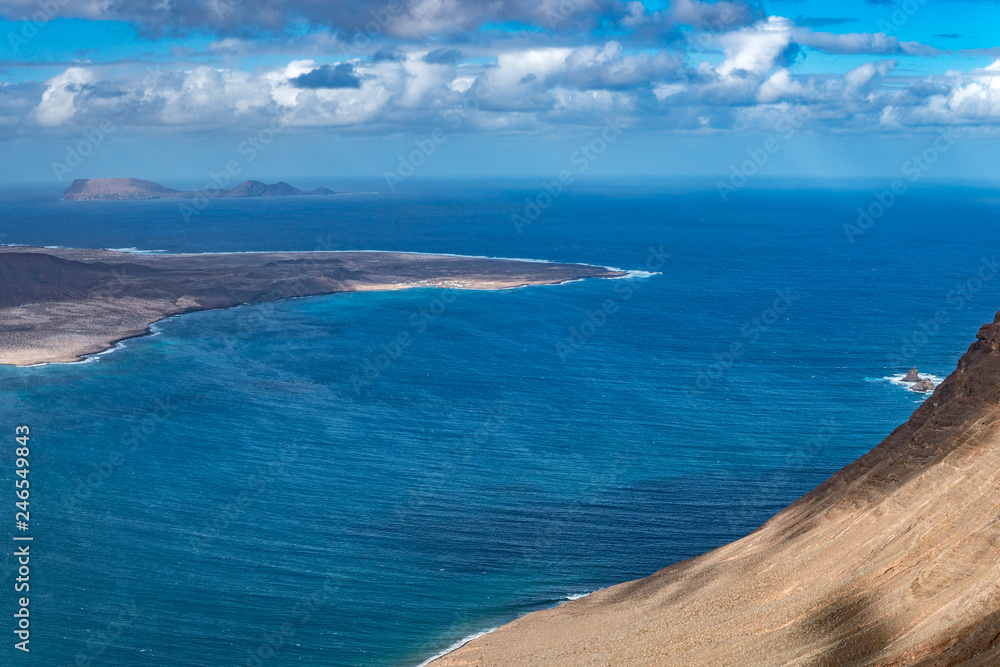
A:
[892,561]
[110,189]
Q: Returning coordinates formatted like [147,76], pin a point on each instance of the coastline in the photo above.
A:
[454,647]
[473,637]
[890,561]
[68,305]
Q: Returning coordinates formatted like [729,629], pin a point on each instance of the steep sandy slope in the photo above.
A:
[895,560]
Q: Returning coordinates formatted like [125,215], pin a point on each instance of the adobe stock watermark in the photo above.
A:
[92,138]
[218,181]
[301,613]
[750,333]
[557,14]
[599,480]
[381,19]
[427,146]
[625,290]
[902,12]
[255,488]
[424,148]
[768,491]
[965,292]
[131,441]
[98,642]
[375,366]
[251,320]
[47,10]
[788,125]
[726,20]
[581,160]
[914,169]
[434,480]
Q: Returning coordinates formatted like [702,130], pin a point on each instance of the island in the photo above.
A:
[118,189]
[891,561]
[60,305]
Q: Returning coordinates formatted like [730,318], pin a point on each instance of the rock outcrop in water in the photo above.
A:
[924,386]
[893,561]
[114,189]
[912,376]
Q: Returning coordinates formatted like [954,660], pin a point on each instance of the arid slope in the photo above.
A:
[895,560]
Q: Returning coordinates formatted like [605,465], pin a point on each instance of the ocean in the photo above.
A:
[285,484]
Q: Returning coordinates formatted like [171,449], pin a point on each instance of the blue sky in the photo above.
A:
[173,90]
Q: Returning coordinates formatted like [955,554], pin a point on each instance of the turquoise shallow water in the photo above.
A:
[223,483]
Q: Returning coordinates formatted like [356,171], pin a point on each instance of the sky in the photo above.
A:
[400,90]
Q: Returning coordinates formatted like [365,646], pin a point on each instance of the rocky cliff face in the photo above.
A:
[895,560]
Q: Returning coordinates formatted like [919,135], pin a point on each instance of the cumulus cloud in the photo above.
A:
[862,43]
[542,80]
[733,69]
[754,50]
[863,78]
[525,89]
[58,103]
[781,86]
[608,67]
[972,99]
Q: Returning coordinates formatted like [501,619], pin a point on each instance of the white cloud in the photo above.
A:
[608,67]
[58,103]
[664,90]
[975,100]
[861,78]
[520,86]
[755,49]
[781,86]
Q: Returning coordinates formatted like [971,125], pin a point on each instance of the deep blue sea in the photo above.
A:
[220,493]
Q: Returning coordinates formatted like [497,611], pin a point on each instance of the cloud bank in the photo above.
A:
[533,66]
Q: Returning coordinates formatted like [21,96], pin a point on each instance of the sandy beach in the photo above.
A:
[60,305]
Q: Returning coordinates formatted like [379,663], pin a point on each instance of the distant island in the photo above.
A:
[60,304]
[119,189]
